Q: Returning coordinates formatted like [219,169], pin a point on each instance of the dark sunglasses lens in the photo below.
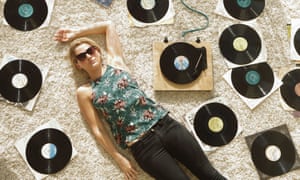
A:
[90,50]
[82,56]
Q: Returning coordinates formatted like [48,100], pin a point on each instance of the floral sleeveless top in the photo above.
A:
[125,107]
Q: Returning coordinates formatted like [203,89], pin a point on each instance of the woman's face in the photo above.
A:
[88,57]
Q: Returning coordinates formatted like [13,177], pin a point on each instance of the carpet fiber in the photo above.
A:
[57,99]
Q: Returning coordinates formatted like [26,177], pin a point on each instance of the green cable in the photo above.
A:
[200,13]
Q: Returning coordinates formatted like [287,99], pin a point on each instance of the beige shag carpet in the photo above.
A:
[57,98]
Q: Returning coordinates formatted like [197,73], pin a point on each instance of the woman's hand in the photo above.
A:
[126,167]
[64,35]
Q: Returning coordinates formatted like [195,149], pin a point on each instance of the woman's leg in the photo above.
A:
[180,143]
[155,160]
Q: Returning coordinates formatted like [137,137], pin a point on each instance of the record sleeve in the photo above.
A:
[105,3]
[290,89]
[247,80]
[244,10]
[20,80]
[273,152]
[295,40]
[241,44]
[25,15]
[253,81]
[47,150]
[29,105]
[25,9]
[155,12]
[214,123]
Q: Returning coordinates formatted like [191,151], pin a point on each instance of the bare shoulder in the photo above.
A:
[118,62]
[84,92]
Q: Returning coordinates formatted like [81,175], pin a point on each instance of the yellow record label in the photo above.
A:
[215,124]
[240,44]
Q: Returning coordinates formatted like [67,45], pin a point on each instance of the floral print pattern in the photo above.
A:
[124,106]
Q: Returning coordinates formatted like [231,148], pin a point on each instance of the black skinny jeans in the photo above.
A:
[157,151]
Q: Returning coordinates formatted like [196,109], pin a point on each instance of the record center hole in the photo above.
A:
[273,153]
[244,3]
[25,10]
[148,4]
[19,80]
[215,124]
[49,151]
[181,63]
[240,44]
[297,89]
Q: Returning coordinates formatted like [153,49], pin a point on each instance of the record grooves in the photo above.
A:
[253,81]
[286,157]
[290,89]
[48,151]
[148,11]
[244,9]
[25,15]
[240,44]
[297,41]
[215,124]
[182,63]
[32,81]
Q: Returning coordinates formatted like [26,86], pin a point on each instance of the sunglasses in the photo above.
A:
[82,56]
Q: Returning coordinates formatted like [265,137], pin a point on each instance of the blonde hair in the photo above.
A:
[75,43]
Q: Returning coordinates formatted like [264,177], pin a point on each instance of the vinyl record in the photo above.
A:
[20,81]
[273,153]
[244,9]
[25,15]
[215,124]
[148,11]
[182,63]
[240,44]
[297,41]
[253,81]
[290,89]
[48,151]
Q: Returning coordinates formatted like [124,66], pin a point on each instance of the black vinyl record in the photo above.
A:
[148,11]
[253,81]
[48,151]
[215,124]
[273,163]
[244,9]
[240,44]
[297,41]
[182,63]
[290,89]
[25,15]
[20,81]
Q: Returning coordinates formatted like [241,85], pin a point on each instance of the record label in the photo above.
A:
[182,63]
[20,81]
[244,9]
[253,81]
[148,11]
[25,15]
[273,153]
[240,44]
[48,151]
[215,124]
[290,89]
